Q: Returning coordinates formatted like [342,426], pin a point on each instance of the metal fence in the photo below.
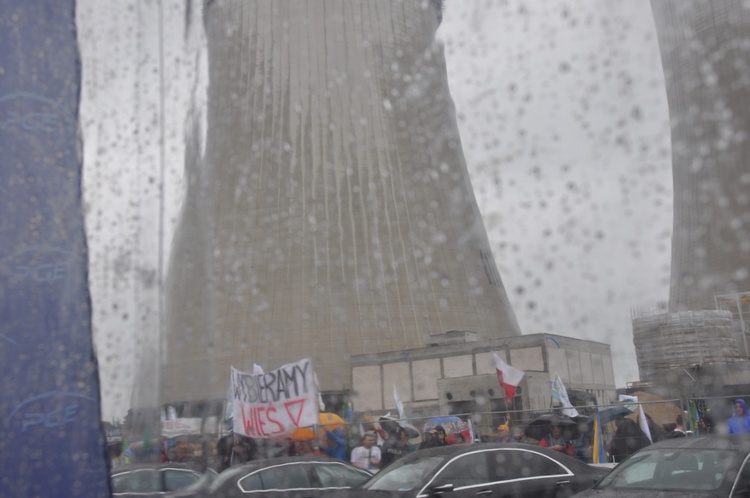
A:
[699,416]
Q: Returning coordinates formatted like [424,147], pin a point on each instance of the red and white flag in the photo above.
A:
[507,376]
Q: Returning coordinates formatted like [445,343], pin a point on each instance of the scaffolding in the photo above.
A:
[739,305]
[684,339]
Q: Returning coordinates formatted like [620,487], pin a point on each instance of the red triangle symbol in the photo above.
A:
[295,406]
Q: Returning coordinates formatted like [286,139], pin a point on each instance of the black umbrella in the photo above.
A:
[392,426]
[540,427]
[389,424]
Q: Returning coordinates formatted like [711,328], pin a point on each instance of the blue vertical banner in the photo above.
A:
[51,438]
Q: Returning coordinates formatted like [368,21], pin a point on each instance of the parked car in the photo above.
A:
[715,466]
[287,476]
[484,470]
[144,480]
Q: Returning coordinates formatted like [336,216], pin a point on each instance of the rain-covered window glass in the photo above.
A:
[235,230]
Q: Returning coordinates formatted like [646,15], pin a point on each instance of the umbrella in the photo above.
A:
[331,421]
[450,424]
[412,431]
[609,414]
[663,412]
[389,424]
[540,427]
[302,433]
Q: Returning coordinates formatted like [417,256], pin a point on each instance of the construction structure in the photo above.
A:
[331,214]
[696,345]
[683,339]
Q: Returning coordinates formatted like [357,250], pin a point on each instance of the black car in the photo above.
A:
[485,470]
[715,466]
[288,476]
[145,480]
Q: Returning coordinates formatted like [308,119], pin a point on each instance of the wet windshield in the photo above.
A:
[686,470]
[243,229]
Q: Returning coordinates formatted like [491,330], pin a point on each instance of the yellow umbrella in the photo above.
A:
[331,421]
[301,433]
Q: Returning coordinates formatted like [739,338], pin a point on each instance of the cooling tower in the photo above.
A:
[331,213]
[704,54]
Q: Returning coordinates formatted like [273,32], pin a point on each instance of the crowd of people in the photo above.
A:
[381,445]
[377,448]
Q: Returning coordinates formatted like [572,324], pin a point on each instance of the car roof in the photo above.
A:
[458,449]
[268,462]
[730,442]
[152,466]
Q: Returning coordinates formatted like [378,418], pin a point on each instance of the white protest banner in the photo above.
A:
[275,402]
[181,427]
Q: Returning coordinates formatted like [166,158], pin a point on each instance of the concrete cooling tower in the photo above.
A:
[704,50]
[331,213]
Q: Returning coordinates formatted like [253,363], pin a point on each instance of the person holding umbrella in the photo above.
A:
[395,447]
[335,444]
[554,440]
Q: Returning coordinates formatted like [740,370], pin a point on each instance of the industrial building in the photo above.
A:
[456,374]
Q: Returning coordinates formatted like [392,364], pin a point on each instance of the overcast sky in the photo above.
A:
[563,118]
[562,112]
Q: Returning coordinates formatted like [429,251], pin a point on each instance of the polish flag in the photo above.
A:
[507,376]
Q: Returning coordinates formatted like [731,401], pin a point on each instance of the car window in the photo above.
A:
[404,474]
[520,464]
[285,477]
[249,483]
[175,479]
[137,481]
[466,470]
[670,469]
[336,476]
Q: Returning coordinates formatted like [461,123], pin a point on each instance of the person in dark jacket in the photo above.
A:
[434,438]
[396,446]
[628,439]
[679,429]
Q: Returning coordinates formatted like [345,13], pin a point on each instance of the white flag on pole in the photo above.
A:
[642,421]
[561,394]
[399,404]
[321,405]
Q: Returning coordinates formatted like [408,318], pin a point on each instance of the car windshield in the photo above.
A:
[404,475]
[668,469]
